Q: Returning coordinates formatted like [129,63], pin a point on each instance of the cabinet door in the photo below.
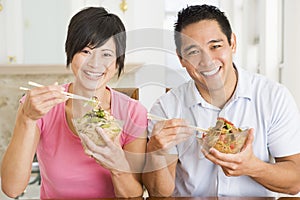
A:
[11,32]
[33,32]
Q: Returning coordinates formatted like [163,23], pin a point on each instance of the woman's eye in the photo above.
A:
[107,55]
[86,51]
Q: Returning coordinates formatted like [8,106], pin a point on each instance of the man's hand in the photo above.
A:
[242,163]
[167,134]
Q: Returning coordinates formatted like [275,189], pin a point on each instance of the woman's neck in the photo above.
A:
[103,94]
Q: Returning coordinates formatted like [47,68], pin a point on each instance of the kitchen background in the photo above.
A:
[32,35]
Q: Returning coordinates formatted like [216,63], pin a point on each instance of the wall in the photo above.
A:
[291,61]
[10,95]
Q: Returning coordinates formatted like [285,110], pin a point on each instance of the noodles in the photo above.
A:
[97,117]
[225,137]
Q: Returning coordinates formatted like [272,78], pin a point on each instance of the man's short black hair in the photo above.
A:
[196,13]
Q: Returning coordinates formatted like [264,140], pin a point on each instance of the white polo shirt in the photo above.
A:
[257,103]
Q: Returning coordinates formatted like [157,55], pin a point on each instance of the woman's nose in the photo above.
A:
[93,60]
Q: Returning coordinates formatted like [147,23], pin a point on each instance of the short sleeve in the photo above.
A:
[158,110]
[135,123]
[285,125]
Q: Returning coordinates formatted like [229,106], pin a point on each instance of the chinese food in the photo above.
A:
[225,137]
[97,117]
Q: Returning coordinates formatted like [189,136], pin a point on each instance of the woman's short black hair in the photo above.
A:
[196,13]
[93,26]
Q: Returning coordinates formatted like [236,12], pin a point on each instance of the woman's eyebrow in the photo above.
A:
[108,50]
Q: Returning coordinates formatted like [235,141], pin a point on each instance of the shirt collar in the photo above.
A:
[244,86]
[194,96]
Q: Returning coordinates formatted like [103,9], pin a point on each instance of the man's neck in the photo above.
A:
[220,97]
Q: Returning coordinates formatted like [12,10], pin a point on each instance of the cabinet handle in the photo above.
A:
[11,59]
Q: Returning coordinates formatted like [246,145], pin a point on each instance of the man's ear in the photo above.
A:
[182,61]
[233,42]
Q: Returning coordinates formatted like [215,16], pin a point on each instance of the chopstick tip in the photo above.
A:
[24,88]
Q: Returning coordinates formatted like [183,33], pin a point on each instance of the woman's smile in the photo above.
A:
[92,74]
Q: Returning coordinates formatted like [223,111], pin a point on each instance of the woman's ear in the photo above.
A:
[233,42]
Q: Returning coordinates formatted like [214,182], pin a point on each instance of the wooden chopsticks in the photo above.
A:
[70,95]
[158,118]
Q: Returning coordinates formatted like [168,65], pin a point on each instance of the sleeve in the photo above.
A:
[284,131]
[135,123]
[159,110]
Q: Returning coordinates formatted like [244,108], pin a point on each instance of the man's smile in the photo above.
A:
[212,72]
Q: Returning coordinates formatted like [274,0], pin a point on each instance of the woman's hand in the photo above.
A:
[111,155]
[40,100]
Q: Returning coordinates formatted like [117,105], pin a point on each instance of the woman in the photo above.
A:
[95,48]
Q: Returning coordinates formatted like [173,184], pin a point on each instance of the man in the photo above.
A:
[270,159]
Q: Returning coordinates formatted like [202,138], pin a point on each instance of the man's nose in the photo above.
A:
[205,59]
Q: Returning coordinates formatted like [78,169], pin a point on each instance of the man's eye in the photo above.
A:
[193,52]
[216,46]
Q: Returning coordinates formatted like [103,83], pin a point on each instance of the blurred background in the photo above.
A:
[33,33]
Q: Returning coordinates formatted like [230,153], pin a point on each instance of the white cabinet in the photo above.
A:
[34,32]
[11,32]
[25,36]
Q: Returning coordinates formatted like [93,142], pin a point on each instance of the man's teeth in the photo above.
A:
[212,72]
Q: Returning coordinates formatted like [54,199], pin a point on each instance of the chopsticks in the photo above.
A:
[70,95]
[158,118]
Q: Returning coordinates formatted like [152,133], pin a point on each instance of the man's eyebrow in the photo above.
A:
[215,41]
[196,46]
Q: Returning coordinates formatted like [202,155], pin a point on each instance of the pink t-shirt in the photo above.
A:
[66,171]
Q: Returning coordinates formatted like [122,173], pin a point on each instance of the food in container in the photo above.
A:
[97,117]
[225,137]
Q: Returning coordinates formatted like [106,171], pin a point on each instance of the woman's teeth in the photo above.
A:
[93,74]
[212,72]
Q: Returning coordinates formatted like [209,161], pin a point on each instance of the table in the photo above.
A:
[213,198]
[192,198]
